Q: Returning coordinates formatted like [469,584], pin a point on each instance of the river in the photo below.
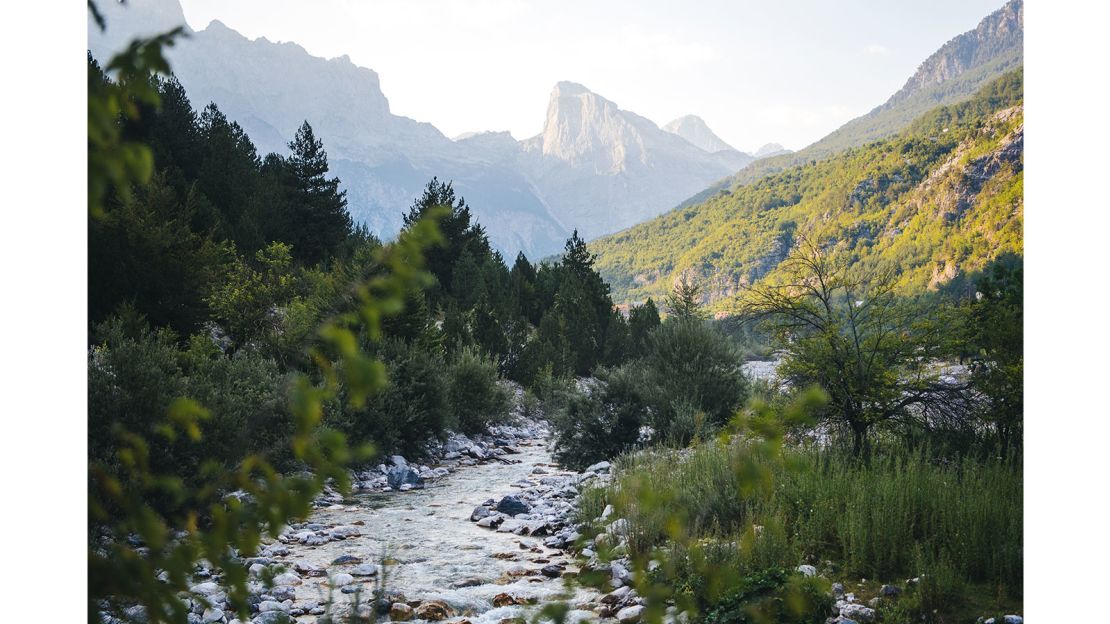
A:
[432,549]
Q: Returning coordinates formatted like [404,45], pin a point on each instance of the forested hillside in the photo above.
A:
[933,204]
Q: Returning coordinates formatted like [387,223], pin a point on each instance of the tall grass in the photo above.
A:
[900,515]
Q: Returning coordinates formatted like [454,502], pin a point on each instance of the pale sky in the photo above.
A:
[757,72]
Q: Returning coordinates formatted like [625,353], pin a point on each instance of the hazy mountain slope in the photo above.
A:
[595,167]
[954,72]
[933,202]
[383,160]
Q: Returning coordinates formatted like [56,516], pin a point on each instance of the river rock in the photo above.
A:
[890,590]
[479,513]
[403,475]
[599,467]
[512,505]
[272,605]
[305,568]
[434,610]
[629,615]
[346,559]
[400,612]
[271,617]
[364,569]
[551,571]
[491,521]
[281,594]
[619,526]
[505,600]
[343,532]
[807,570]
[287,578]
[342,579]
[212,615]
[615,596]
[858,613]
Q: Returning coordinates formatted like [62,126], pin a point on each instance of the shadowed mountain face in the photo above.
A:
[953,73]
[595,167]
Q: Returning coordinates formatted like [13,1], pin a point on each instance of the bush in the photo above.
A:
[477,397]
[413,408]
[691,367]
[603,421]
[687,385]
[135,374]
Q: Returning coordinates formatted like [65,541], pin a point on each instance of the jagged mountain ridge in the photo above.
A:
[528,194]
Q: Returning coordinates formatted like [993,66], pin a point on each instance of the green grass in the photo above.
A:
[957,525]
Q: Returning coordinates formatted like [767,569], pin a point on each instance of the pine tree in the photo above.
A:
[684,301]
[320,213]
[642,320]
[228,175]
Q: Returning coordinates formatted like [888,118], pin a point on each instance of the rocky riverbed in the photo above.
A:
[476,531]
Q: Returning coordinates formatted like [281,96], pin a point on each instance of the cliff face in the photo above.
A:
[695,130]
[999,34]
[600,168]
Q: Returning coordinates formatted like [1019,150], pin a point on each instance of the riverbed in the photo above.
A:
[428,549]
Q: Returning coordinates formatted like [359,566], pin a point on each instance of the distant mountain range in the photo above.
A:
[595,167]
[929,185]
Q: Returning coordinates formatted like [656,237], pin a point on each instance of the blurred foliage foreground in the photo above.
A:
[147,528]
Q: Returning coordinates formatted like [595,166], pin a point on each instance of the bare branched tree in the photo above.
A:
[849,332]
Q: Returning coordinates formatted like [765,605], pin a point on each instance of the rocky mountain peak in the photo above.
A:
[584,128]
[695,130]
[998,33]
[770,149]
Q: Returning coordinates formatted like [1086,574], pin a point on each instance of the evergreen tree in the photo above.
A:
[228,175]
[456,228]
[321,220]
[642,320]
[684,301]
[522,279]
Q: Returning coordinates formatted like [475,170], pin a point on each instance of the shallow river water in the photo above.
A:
[434,551]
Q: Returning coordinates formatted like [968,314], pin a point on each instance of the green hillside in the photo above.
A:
[934,202]
[955,72]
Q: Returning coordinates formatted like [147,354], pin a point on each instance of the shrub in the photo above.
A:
[691,368]
[412,409]
[603,421]
[477,397]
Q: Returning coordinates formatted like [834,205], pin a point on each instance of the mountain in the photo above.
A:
[595,167]
[954,72]
[770,149]
[694,129]
[600,168]
[934,203]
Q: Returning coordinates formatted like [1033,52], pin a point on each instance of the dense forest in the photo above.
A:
[934,205]
[245,336]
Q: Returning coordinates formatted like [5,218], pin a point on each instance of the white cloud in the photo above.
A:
[875,48]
